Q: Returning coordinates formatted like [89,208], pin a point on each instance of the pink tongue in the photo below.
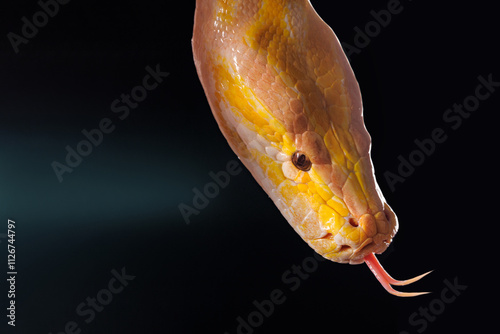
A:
[386,280]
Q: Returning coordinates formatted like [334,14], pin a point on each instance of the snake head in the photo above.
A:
[285,97]
[334,204]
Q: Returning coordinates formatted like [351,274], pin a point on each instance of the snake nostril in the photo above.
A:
[353,222]
[344,248]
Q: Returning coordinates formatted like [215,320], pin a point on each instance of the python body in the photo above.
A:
[285,97]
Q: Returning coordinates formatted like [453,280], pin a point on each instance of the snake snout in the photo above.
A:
[370,233]
[369,246]
[379,229]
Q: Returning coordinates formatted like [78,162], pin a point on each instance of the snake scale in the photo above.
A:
[286,99]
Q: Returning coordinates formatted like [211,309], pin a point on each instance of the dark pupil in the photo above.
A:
[301,161]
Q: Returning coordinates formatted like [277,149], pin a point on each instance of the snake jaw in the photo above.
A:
[386,280]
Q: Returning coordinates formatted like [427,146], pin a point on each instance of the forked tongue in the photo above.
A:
[386,280]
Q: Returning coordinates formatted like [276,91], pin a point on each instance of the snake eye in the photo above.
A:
[301,161]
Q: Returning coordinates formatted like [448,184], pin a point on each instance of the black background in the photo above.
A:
[119,207]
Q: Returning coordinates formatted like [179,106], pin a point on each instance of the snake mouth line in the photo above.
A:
[367,247]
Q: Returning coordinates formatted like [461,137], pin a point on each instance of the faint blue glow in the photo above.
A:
[115,183]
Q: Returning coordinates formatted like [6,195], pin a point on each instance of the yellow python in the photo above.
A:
[286,99]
